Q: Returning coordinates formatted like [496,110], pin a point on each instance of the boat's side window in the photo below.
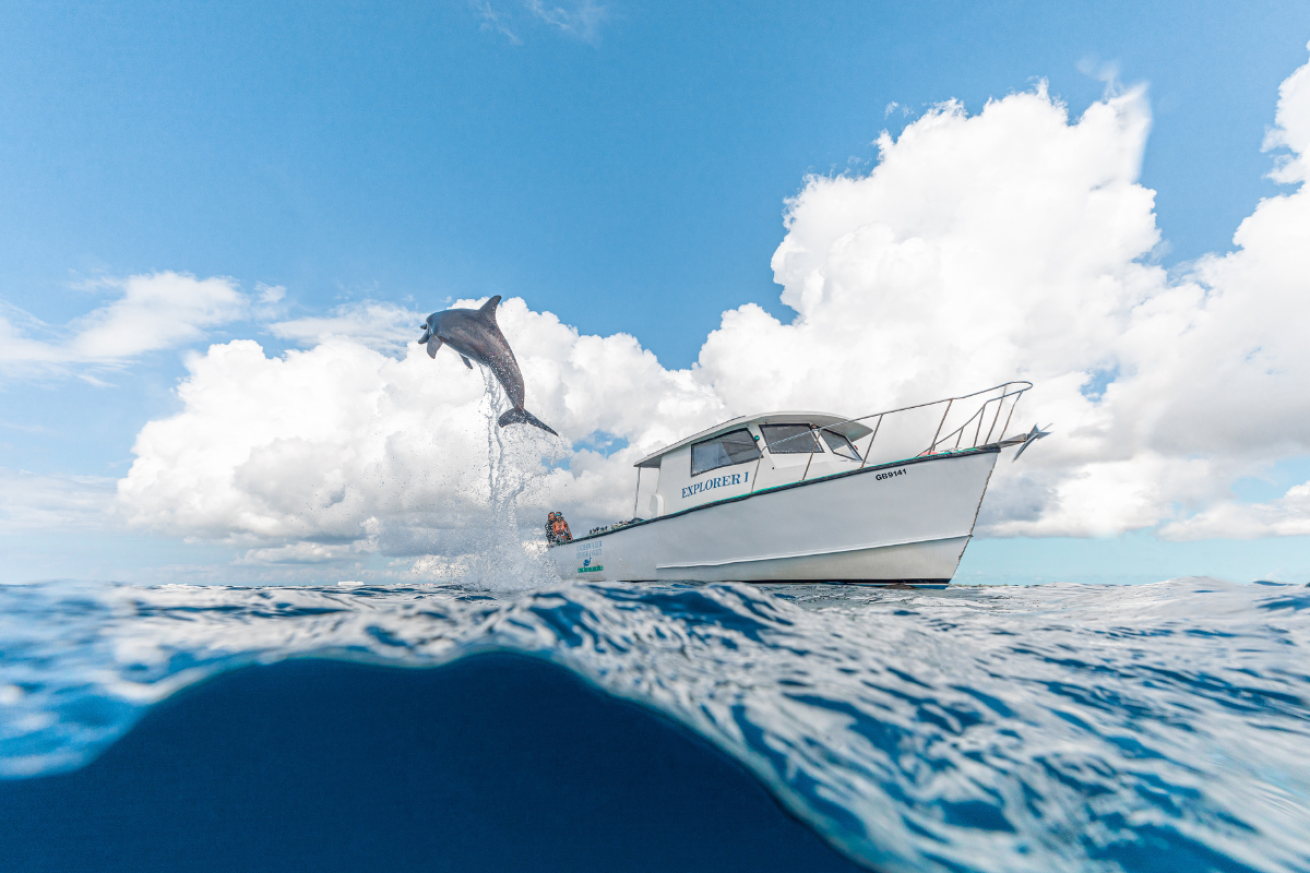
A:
[839,445]
[725,450]
[790,439]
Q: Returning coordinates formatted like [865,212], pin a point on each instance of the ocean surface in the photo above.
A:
[1050,728]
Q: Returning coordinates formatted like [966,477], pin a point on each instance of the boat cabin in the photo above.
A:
[750,454]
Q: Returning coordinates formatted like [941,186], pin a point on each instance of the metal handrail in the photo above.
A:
[947,400]
[1006,392]
[980,415]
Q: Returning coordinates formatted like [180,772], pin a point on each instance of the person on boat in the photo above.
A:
[557,529]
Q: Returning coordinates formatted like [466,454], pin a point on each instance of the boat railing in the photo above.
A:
[991,404]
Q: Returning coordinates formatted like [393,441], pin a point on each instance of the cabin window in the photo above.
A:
[839,445]
[725,450]
[790,439]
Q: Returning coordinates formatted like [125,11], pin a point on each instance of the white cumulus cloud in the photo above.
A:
[1288,515]
[341,443]
[1011,244]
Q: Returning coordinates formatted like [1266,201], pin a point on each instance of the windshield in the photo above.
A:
[790,439]
[839,445]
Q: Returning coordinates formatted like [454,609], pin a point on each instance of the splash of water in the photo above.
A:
[504,558]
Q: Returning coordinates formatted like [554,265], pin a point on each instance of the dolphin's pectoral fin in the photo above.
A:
[466,361]
[434,343]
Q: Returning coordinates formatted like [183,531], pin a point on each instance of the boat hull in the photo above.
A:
[907,522]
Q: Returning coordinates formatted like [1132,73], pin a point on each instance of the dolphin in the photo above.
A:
[473,333]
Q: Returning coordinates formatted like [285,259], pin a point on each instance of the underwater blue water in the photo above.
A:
[1048,728]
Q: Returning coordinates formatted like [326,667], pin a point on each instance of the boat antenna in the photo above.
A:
[1033,436]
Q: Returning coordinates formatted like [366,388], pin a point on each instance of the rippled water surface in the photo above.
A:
[1158,727]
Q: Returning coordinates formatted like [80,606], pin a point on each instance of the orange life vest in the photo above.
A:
[559,528]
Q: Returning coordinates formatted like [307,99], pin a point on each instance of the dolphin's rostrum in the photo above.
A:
[473,333]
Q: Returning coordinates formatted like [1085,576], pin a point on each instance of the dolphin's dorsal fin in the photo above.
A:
[489,308]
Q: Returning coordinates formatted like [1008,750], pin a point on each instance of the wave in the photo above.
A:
[1058,727]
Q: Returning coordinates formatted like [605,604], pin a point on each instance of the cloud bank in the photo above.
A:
[153,312]
[31,503]
[1012,244]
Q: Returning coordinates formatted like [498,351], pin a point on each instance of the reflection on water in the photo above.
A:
[993,729]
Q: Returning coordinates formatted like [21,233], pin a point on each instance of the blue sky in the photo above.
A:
[624,166]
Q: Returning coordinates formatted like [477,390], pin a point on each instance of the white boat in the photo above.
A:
[802,497]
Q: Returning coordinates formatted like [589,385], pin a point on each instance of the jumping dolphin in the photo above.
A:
[473,333]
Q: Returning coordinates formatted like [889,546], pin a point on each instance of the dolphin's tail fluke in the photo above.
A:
[519,415]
